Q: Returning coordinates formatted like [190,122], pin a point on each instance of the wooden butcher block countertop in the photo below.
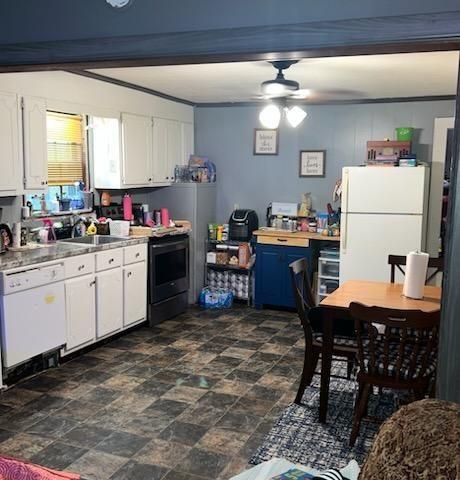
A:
[282,237]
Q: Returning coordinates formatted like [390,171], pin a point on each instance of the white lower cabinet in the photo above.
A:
[105,302]
[80,310]
[134,293]
[109,302]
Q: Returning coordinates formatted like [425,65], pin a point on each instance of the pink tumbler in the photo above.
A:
[165,217]
[127,208]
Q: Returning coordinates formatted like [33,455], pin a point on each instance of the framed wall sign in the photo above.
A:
[312,163]
[265,141]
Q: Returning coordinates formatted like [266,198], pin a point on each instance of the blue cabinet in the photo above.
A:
[273,280]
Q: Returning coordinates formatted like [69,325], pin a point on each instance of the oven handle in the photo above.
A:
[172,244]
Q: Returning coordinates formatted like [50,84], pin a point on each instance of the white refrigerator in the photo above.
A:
[384,211]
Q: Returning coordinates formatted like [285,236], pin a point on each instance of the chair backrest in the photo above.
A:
[399,261]
[301,288]
[395,343]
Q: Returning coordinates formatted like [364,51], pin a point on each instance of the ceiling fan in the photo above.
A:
[279,90]
[283,88]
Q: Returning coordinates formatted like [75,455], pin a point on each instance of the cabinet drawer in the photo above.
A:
[284,241]
[79,265]
[109,259]
[136,253]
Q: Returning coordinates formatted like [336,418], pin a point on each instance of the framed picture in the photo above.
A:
[265,141]
[312,163]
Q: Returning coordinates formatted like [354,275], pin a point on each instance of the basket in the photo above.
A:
[119,228]
[404,134]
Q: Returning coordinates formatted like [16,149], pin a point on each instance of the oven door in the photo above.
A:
[168,269]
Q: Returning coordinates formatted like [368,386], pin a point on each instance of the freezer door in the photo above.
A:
[384,190]
[367,240]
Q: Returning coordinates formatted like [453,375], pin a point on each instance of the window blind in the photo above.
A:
[66,149]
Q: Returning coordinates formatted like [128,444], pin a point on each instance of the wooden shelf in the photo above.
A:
[218,266]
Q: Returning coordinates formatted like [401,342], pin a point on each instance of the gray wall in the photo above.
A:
[225,135]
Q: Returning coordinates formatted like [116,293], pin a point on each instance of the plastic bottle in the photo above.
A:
[127,207]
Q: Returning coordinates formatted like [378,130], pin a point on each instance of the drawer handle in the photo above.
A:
[138,255]
[111,260]
[129,274]
[92,283]
[282,239]
[81,267]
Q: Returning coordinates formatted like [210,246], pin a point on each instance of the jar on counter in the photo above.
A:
[312,227]
[225,232]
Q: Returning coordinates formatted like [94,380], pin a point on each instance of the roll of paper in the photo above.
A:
[416,268]
[17,234]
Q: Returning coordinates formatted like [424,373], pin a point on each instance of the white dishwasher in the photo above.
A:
[32,311]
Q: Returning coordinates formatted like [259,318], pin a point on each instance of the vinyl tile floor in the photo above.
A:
[190,399]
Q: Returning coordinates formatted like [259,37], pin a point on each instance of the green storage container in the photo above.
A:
[404,134]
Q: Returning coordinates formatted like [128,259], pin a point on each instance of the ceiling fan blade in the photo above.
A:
[301,94]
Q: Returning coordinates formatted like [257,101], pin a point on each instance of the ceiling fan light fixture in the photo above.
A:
[295,115]
[270,116]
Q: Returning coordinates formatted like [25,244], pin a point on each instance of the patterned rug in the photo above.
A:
[299,437]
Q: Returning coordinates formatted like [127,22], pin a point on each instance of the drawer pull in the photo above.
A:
[129,274]
[281,239]
[81,267]
[111,260]
[138,255]
[92,283]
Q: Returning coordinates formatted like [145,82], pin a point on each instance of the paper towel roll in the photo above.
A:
[416,268]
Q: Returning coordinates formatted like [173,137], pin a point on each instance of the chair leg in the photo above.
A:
[308,371]
[360,409]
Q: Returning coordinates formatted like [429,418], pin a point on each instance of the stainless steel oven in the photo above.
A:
[168,277]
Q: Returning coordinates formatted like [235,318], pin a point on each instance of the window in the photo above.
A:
[67,162]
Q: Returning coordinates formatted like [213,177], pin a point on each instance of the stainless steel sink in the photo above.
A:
[95,240]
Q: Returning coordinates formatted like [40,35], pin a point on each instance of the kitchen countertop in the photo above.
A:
[271,232]
[59,250]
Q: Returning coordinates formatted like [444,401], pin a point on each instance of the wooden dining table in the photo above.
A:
[378,294]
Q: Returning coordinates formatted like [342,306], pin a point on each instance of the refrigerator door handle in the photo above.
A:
[343,233]
[345,190]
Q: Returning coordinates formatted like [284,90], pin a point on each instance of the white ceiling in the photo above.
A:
[363,77]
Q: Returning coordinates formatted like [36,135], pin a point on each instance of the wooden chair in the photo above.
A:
[396,349]
[399,261]
[310,315]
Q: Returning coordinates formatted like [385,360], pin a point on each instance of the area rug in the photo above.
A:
[299,437]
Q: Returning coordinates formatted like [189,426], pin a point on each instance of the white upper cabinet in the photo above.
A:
[105,134]
[137,150]
[174,148]
[167,149]
[160,150]
[10,150]
[35,147]
[187,142]
[143,151]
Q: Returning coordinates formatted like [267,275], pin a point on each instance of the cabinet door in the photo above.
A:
[160,150]
[10,178]
[137,149]
[109,301]
[269,279]
[135,293]
[80,298]
[174,148]
[35,146]
[187,142]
